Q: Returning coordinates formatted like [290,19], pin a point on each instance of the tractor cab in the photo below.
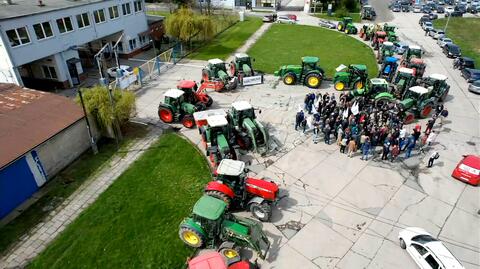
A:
[389,28]
[403,80]
[416,93]
[346,25]
[309,63]
[174,98]
[249,132]
[377,85]
[438,84]
[358,70]
[392,37]
[243,63]
[388,49]
[232,173]
[208,212]
[216,66]
[418,65]
[347,20]
[189,87]
[388,68]
[412,51]
[240,111]
[218,133]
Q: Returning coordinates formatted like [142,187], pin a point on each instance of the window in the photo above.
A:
[132,43]
[420,249]
[99,16]
[126,9]
[43,30]
[49,72]
[137,6]
[83,20]
[113,12]
[64,25]
[18,36]
[431,261]
[143,39]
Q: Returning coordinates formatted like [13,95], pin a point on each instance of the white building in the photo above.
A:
[50,42]
[232,4]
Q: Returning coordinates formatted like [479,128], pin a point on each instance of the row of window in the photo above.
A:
[20,36]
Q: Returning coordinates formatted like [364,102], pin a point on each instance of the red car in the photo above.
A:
[468,170]
[292,16]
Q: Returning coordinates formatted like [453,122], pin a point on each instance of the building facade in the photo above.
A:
[52,42]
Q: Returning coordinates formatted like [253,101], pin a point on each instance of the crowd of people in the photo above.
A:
[361,126]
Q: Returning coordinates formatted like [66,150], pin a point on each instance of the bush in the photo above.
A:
[342,12]
[350,5]
[97,104]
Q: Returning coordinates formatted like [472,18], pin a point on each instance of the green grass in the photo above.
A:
[134,223]
[159,13]
[64,184]
[228,41]
[355,17]
[465,33]
[286,44]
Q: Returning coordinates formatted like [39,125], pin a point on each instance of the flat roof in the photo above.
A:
[438,76]
[21,8]
[241,55]
[174,93]
[30,117]
[215,61]
[419,89]
[241,105]
[405,70]
[217,120]
[230,167]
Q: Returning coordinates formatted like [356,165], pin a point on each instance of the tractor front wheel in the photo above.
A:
[219,195]
[289,79]
[191,237]
[427,109]
[188,121]
[165,114]
[409,118]
[313,80]
[339,85]
[262,211]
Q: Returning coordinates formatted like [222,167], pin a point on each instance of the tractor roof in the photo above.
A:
[381,33]
[413,47]
[391,59]
[186,84]
[347,18]
[367,6]
[208,260]
[378,81]
[406,70]
[416,60]
[418,89]
[230,167]
[209,207]
[174,93]
[241,105]
[241,55]
[438,77]
[310,59]
[215,61]
[359,66]
[217,120]
[388,44]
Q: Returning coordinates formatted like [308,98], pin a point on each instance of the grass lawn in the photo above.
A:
[286,44]
[228,41]
[159,13]
[463,32]
[355,17]
[64,184]
[134,223]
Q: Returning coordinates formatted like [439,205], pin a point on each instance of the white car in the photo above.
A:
[285,19]
[427,251]
[449,10]
[124,69]
[443,41]
[439,34]
[426,25]
[417,9]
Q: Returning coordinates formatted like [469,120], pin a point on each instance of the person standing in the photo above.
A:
[431,138]
[299,119]
[326,132]
[386,149]
[443,115]
[411,141]
[432,158]
[343,144]
[429,128]
[316,129]
[352,147]
[395,152]
[366,149]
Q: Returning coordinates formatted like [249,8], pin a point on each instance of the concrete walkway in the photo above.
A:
[253,38]
[38,238]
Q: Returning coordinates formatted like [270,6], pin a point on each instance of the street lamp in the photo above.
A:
[446,24]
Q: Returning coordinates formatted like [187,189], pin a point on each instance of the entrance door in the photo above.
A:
[72,69]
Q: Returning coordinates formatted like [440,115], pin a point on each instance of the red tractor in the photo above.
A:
[194,94]
[234,187]
[226,258]
[418,65]
[378,39]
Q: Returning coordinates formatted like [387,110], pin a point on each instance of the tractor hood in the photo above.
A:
[259,187]
[188,108]
[407,103]
[248,124]
[222,144]
[256,238]
[341,75]
[290,67]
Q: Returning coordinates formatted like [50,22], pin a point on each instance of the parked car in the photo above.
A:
[417,9]
[401,47]
[425,250]
[452,51]
[438,34]
[292,16]
[423,19]
[463,62]
[440,2]
[440,10]
[124,70]
[405,6]
[454,14]
[461,8]
[396,8]
[470,74]
[327,24]
[432,32]
[433,16]
[270,18]
[468,169]
[474,87]
[426,9]
[449,10]
[443,41]
[472,9]
[285,19]
[449,2]
[427,25]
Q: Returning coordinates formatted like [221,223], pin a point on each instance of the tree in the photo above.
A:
[184,24]
[97,103]
[350,5]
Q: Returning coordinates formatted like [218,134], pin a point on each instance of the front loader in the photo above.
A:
[215,77]
[219,140]
[242,68]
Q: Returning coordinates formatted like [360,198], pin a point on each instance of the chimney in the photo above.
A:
[40,3]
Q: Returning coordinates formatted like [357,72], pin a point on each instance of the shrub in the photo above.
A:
[341,12]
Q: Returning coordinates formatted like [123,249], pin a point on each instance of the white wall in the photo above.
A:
[7,74]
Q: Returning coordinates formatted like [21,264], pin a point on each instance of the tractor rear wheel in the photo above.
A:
[262,211]
[339,85]
[289,79]
[200,106]
[165,114]
[188,121]
[313,80]
[358,85]
[409,118]
[219,195]
[209,101]
[191,237]
[427,109]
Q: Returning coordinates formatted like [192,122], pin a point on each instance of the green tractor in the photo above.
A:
[219,140]
[404,79]
[175,108]
[389,28]
[368,13]
[412,52]
[308,74]
[392,37]
[355,76]
[387,50]
[346,25]
[417,102]
[215,76]
[210,226]
[241,67]
[249,132]
[373,89]
[437,83]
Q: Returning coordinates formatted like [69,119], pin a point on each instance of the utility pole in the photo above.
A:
[93,143]
[446,24]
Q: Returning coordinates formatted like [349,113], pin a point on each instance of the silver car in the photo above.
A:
[474,86]
[443,41]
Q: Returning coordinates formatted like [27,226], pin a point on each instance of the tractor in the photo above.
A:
[438,84]
[194,94]
[387,50]
[362,33]
[388,68]
[346,25]
[232,186]
[215,76]
[368,13]
[403,80]
[412,52]
[389,28]
[354,77]
[418,102]
[377,39]
[392,37]
[371,30]
[249,132]
[241,67]
[418,65]
[309,73]
[175,108]
[224,258]
[374,87]
[209,226]
[219,140]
